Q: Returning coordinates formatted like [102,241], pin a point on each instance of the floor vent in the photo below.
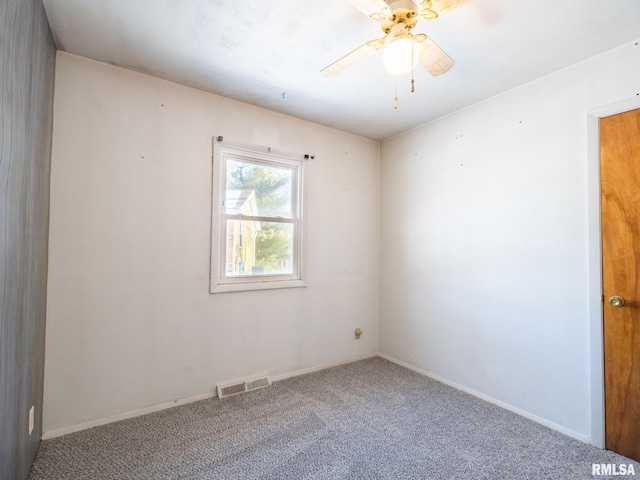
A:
[258,383]
[227,390]
[233,388]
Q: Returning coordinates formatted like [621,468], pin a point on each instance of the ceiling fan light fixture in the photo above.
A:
[401,55]
[402,50]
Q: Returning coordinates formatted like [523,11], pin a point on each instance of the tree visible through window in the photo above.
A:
[260,218]
[259,191]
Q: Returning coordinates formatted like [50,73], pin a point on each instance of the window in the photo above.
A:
[257,222]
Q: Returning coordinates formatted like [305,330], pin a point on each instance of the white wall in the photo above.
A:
[484,242]
[130,322]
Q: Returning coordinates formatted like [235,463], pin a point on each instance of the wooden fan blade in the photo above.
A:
[432,57]
[353,57]
[432,9]
[370,7]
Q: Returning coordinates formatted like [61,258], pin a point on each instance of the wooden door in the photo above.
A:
[620,180]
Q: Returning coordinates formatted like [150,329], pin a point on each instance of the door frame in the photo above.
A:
[595,306]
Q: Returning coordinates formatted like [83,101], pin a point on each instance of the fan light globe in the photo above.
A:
[401,55]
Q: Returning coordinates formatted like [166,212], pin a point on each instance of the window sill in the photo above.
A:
[252,286]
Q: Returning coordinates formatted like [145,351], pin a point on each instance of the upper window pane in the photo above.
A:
[258,190]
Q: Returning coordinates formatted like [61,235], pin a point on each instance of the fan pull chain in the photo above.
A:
[413,87]
[395,100]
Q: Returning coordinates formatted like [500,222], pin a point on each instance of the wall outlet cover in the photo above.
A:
[31,419]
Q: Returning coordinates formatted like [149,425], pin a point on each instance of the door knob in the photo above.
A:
[616,301]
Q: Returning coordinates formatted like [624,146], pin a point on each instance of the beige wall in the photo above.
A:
[497,300]
[130,322]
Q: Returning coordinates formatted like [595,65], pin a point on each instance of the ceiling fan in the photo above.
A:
[404,50]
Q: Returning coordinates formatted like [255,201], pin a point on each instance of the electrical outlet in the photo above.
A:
[32,420]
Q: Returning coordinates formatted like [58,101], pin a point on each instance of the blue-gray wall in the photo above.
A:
[27,62]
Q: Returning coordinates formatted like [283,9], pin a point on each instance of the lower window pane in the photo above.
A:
[258,248]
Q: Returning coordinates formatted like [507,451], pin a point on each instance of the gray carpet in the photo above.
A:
[365,420]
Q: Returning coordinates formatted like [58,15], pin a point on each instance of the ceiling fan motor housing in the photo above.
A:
[402,11]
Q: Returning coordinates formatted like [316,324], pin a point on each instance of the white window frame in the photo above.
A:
[219,281]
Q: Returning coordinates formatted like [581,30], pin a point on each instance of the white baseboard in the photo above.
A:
[123,416]
[304,371]
[163,406]
[486,398]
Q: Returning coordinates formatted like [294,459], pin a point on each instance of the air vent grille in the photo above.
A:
[227,390]
[234,388]
[258,383]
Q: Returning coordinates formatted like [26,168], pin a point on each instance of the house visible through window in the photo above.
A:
[256,238]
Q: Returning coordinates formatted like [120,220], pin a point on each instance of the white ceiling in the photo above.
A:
[270,52]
